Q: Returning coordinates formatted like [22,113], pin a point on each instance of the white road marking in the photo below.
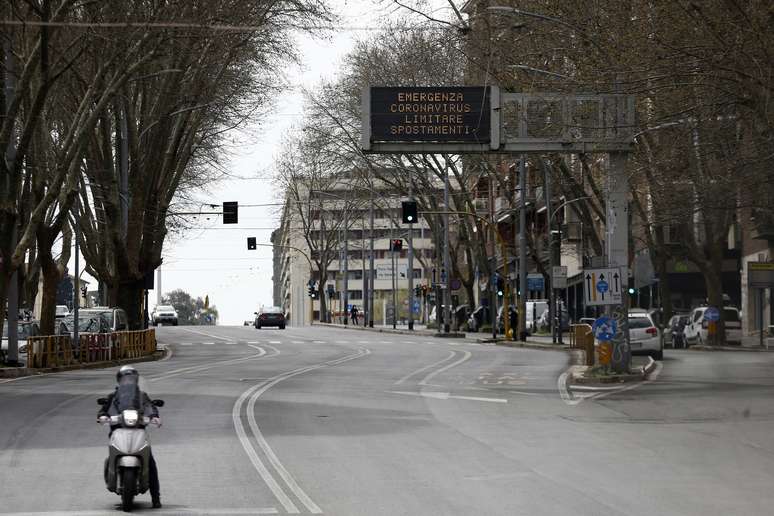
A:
[466,355]
[208,343]
[252,510]
[186,343]
[276,351]
[451,355]
[274,342]
[447,396]
[596,393]
[297,342]
[255,347]
[319,342]
[207,334]
[255,392]
[253,342]
[195,369]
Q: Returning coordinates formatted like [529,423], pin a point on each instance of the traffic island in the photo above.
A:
[603,375]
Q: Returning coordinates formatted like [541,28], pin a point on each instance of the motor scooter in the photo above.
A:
[127,468]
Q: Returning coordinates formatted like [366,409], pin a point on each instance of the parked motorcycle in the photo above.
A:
[127,466]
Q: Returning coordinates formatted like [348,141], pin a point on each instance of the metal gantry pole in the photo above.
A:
[76,276]
[10,156]
[446,256]
[523,249]
[394,282]
[410,271]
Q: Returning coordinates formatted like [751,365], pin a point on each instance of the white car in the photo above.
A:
[644,335]
[164,314]
[62,311]
[696,331]
[26,329]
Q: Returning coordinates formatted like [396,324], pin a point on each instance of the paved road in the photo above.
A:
[342,422]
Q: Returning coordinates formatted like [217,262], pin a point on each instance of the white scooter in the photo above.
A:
[127,465]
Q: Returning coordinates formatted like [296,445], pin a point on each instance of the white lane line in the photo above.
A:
[255,392]
[208,343]
[259,466]
[363,342]
[319,342]
[276,351]
[207,334]
[426,379]
[447,396]
[186,344]
[255,347]
[195,369]
[297,342]
[451,355]
[252,510]
[275,342]
[253,342]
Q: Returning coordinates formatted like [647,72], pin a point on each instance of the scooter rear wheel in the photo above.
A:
[128,485]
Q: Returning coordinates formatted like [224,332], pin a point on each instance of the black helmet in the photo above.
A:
[126,370]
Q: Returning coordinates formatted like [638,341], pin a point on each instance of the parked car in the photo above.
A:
[164,314]
[674,331]
[116,317]
[478,318]
[87,323]
[271,316]
[25,329]
[697,328]
[61,311]
[644,335]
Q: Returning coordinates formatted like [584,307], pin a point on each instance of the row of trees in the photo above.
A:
[114,113]
[703,77]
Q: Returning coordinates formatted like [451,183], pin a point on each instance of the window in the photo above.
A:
[697,315]
[358,274]
[730,315]
[355,294]
[639,322]
[417,273]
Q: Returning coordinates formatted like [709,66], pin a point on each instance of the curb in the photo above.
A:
[424,333]
[19,372]
[528,344]
[730,348]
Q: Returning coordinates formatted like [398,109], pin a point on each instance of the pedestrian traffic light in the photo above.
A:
[396,245]
[409,211]
[251,245]
[231,212]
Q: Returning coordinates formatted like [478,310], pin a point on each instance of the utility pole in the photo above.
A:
[371,262]
[10,157]
[523,249]
[394,281]
[346,262]
[76,276]
[552,295]
[158,285]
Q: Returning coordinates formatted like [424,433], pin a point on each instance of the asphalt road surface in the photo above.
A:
[341,422]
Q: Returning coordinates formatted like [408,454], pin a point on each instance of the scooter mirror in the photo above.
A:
[158,403]
[101,401]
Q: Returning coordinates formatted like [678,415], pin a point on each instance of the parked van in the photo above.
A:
[696,330]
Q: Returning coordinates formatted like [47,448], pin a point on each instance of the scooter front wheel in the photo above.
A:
[128,485]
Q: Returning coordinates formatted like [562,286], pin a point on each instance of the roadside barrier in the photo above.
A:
[582,337]
[58,350]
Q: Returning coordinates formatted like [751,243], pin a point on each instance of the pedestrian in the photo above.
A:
[353,314]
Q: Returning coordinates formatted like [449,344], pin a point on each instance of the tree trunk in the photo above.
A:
[129,296]
[51,278]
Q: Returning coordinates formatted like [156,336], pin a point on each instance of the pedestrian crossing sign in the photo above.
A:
[602,286]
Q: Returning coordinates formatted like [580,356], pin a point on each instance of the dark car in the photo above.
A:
[271,316]
[88,322]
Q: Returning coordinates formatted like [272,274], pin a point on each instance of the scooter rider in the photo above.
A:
[128,385]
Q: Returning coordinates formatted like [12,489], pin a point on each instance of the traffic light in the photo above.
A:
[418,291]
[251,245]
[396,245]
[312,291]
[231,212]
[500,286]
[409,211]
[631,291]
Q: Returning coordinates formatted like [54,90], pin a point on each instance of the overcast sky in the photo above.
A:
[215,261]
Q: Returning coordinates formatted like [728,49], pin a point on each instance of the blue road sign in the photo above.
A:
[535,283]
[712,314]
[604,328]
[416,306]
[602,286]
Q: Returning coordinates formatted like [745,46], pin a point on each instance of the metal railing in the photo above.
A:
[59,351]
